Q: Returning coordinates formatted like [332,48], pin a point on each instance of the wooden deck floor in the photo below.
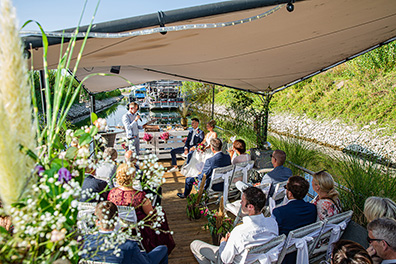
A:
[185,231]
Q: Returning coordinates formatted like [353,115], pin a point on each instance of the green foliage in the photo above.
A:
[297,151]
[211,216]
[362,179]
[104,95]
[194,207]
[359,92]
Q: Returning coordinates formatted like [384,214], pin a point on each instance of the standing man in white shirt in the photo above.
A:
[255,230]
[130,122]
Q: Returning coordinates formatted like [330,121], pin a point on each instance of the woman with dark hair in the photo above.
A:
[349,252]
[238,153]
[201,154]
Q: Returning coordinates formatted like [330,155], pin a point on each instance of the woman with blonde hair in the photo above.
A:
[126,195]
[376,207]
[327,202]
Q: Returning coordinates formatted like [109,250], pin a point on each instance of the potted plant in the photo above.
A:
[194,205]
[183,111]
[218,224]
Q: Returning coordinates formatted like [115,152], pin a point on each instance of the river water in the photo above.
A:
[113,116]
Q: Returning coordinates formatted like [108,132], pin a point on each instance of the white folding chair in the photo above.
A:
[84,216]
[332,232]
[269,252]
[219,175]
[302,240]
[127,213]
[240,174]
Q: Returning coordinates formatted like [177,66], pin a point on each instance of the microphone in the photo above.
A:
[137,113]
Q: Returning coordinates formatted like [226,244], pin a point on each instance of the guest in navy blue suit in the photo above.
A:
[195,136]
[130,252]
[218,160]
[91,187]
[296,213]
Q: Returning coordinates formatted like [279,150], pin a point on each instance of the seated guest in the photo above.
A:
[346,251]
[130,252]
[296,213]
[279,173]
[93,189]
[382,240]
[327,202]
[126,195]
[218,160]
[130,158]
[198,158]
[195,136]
[255,230]
[238,153]
[107,170]
[376,207]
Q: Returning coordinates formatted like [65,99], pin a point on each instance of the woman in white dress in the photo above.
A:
[196,164]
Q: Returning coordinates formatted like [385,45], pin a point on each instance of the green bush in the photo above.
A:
[362,178]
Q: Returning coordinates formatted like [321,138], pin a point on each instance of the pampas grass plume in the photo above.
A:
[15,109]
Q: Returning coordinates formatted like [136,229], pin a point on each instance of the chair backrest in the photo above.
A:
[269,250]
[279,191]
[218,175]
[312,231]
[241,171]
[332,231]
[127,213]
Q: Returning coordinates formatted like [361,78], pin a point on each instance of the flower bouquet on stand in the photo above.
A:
[147,137]
[165,136]
[218,224]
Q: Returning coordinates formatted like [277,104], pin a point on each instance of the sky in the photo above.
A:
[56,14]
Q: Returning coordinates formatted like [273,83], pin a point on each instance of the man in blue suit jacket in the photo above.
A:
[218,160]
[129,250]
[296,213]
[195,136]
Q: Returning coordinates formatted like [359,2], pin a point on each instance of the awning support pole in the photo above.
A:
[263,117]
[213,101]
[93,104]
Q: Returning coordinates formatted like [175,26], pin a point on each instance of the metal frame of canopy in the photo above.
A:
[282,49]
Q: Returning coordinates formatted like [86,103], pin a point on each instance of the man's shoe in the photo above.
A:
[174,169]
[184,155]
[181,195]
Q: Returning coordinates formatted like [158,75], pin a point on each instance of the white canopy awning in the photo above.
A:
[262,55]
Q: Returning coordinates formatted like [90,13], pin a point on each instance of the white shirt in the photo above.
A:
[131,126]
[195,131]
[255,230]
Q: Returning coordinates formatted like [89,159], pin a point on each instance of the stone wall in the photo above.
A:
[81,111]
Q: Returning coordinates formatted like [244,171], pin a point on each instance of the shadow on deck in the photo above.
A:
[185,231]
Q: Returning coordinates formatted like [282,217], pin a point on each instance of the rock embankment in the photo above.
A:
[332,133]
[336,134]
[79,112]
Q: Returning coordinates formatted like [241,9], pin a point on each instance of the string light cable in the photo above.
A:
[156,30]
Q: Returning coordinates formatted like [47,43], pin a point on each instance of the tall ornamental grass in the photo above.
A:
[16,124]
[297,151]
[362,178]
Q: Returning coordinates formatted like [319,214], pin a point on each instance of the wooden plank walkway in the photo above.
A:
[185,231]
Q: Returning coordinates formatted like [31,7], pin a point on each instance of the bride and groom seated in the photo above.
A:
[195,136]
[218,160]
